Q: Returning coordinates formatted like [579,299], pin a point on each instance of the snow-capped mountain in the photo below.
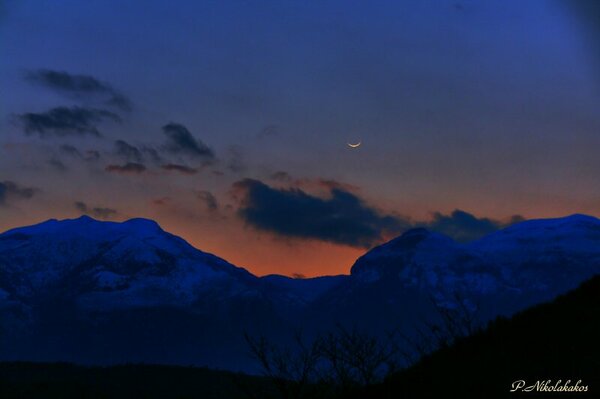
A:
[103,292]
[403,281]
[108,264]
[542,257]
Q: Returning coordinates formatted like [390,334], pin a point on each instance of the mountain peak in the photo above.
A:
[86,224]
[580,217]
[546,229]
[395,254]
[575,218]
[410,239]
[143,223]
[417,233]
[85,218]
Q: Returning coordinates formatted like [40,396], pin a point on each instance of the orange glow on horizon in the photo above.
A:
[262,254]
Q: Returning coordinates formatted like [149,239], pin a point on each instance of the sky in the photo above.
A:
[228,122]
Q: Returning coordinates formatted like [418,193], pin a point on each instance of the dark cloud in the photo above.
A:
[136,154]
[74,152]
[57,164]
[236,160]
[281,176]
[587,12]
[464,227]
[92,155]
[332,184]
[102,213]
[269,131]
[64,121]
[186,170]
[128,152]
[342,219]
[71,150]
[208,199]
[10,189]
[318,184]
[152,154]
[180,140]
[128,168]
[80,86]
[161,201]
[121,102]
[514,219]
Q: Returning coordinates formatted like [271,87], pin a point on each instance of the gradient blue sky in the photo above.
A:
[491,107]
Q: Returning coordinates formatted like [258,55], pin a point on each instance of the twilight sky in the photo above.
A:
[227,122]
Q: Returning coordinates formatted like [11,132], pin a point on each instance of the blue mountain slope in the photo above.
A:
[404,282]
[107,264]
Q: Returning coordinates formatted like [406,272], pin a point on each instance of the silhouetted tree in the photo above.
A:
[333,363]
[351,358]
[292,369]
[344,359]
[453,320]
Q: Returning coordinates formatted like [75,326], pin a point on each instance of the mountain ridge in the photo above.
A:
[84,281]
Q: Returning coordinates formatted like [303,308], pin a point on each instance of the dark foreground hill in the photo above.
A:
[554,341]
[64,380]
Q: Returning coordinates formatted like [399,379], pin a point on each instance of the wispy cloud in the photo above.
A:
[128,152]
[208,199]
[80,86]
[11,190]
[65,121]
[128,168]
[181,141]
[99,212]
[186,170]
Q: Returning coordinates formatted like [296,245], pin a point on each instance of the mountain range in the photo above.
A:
[95,292]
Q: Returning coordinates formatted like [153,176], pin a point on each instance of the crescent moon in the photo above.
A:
[354,145]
